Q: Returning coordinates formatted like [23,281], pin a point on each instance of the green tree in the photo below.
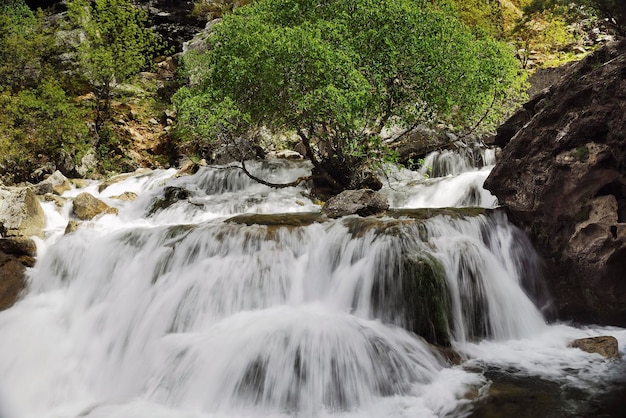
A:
[38,122]
[117,45]
[25,46]
[337,73]
[486,15]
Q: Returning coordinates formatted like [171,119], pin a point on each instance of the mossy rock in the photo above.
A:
[413,293]
[279,219]
[427,213]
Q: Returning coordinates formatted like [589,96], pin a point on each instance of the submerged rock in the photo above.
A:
[561,176]
[364,202]
[171,195]
[606,346]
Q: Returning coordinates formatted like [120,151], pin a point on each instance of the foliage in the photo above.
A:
[338,72]
[614,11]
[485,15]
[214,9]
[25,45]
[117,45]
[38,125]
[545,31]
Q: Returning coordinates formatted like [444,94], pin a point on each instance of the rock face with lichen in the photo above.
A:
[562,178]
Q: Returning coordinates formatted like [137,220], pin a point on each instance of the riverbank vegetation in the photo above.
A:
[336,78]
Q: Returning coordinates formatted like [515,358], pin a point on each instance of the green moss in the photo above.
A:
[581,153]
[280,219]
[413,293]
[426,296]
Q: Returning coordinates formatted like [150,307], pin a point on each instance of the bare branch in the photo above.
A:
[270,184]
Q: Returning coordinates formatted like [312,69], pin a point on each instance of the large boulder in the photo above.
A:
[86,207]
[562,178]
[20,213]
[362,202]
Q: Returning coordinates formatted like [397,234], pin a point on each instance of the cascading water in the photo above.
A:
[181,306]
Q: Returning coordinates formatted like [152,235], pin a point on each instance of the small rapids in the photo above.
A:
[210,295]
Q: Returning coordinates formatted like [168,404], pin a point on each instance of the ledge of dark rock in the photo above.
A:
[561,178]
[280,219]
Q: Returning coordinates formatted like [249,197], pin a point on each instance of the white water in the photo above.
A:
[181,314]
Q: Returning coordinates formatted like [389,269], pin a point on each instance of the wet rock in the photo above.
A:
[561,177]
[606,346]
[20,213]
[86,207]
[58,201]
[122,177]
[12,280]
[190,167]
[280,219]
[18,246]
[364,202]
[15,255]
[126,196]
[170,196]
[72,226]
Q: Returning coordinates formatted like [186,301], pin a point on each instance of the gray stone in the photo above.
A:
[21,213]
[364,202]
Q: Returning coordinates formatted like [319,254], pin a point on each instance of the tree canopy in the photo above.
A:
[117,44]
[338,72]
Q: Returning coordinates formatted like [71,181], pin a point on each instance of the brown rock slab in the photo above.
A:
[606,346]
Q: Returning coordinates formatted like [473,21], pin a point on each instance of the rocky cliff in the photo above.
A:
[562,177]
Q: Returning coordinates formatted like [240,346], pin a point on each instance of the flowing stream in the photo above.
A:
[212,296]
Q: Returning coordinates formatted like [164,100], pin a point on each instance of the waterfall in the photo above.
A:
[189,309]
